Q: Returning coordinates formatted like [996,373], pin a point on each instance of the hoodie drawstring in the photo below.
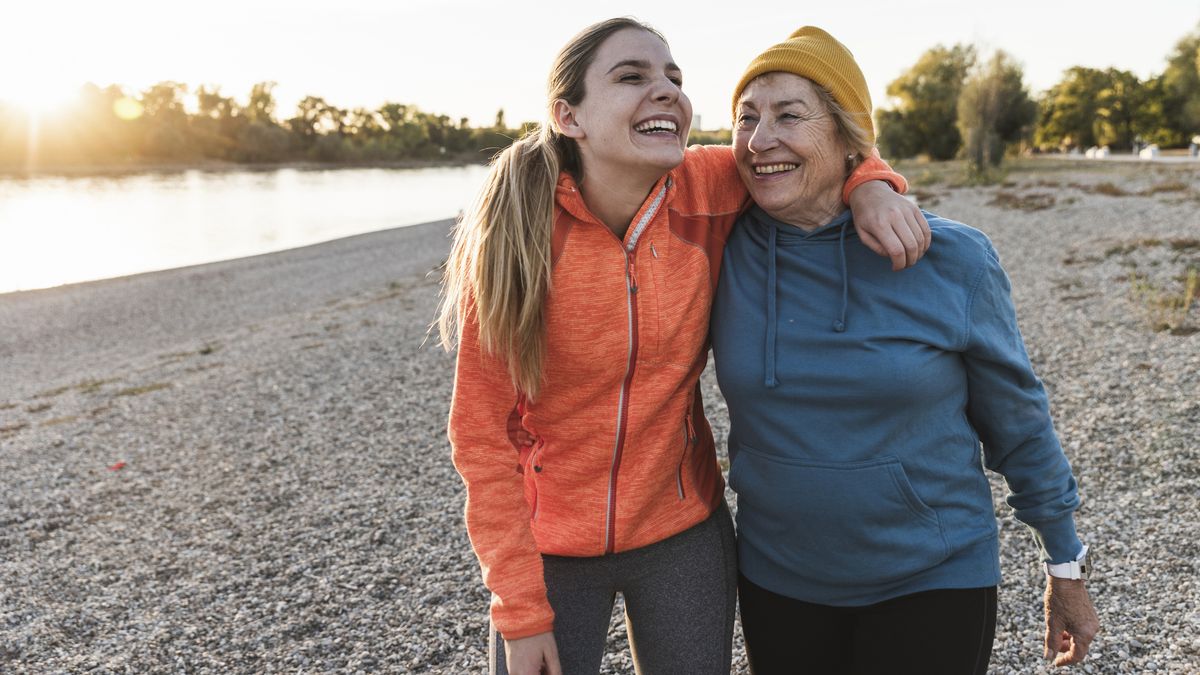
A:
[770,381]
[840,324]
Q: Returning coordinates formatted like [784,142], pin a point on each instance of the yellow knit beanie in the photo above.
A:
[814,54]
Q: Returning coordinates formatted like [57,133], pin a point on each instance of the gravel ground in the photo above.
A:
[242,467]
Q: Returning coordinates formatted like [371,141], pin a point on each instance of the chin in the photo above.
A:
[667,160]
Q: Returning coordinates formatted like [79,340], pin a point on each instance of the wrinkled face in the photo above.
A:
[634,116]
[787,146]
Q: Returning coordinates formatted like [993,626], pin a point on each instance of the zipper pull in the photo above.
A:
[633,284]
[652,251]
[691,429]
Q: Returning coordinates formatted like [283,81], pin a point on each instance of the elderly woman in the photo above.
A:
[858,400]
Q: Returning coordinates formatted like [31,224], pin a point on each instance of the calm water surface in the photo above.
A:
[62,230]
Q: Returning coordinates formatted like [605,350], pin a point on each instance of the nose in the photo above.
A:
[763,137]
[666,91]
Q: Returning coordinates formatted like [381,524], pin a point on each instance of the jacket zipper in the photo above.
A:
[689,437]
[631,289]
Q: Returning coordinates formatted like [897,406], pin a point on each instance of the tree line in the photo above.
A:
[951,104]
[107,126]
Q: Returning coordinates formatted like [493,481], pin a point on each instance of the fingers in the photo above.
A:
[920,227]
[888,245]
[1053,642]
[911,241]
[1075,654]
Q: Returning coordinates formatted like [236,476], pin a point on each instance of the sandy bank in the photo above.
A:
[60,335]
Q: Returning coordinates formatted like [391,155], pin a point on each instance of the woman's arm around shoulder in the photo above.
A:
[889,224]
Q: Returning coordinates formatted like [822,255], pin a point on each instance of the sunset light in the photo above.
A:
[37,97]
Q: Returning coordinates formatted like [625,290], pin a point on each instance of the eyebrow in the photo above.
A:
[644,65]
[793,101]
[778,104]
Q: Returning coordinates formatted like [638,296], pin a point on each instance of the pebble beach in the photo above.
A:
[242,467]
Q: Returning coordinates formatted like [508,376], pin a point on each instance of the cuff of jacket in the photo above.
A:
[898,183]
[526,631]
[522,619]
[1057,539]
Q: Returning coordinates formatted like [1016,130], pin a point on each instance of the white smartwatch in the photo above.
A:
[1079,568]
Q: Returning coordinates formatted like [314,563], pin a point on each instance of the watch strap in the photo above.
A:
[1074,569]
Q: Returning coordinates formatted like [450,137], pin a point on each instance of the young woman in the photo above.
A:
[578,292]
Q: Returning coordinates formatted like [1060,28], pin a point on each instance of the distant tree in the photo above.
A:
[922,119]
[217,123]
[994,111]
[164,122]
[261,142]
[1150,118]
[1069,110]
[1118,108]
[261,104]
[1180,88]
[499,123]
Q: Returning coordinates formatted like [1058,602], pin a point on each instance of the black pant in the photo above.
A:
[936,632]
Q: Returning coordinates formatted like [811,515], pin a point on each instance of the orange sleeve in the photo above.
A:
[873,168]
[497,514]
[718,171]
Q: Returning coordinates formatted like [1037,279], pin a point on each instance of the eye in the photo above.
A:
[630,77]
[677,80]
[746,120]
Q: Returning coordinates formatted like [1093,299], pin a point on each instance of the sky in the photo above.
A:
[471,57]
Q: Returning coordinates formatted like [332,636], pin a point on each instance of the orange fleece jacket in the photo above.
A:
[622,455]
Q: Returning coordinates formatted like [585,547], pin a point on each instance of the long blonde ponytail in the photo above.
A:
[500,262]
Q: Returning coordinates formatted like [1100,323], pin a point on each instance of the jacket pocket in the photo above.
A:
[843,524]
[533,467]
[689,439]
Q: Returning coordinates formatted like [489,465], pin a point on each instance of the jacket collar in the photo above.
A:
[568,196]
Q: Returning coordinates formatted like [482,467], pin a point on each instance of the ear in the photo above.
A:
[563,114]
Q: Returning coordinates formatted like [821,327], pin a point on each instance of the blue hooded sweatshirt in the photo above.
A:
[858,400]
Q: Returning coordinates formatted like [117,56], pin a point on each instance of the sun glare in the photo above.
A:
[39,99]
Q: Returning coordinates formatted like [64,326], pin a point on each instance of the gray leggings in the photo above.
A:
[679,603]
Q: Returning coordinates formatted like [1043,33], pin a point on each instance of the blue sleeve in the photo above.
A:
[1008,408]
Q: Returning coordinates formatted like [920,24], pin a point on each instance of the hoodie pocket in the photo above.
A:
[843,524]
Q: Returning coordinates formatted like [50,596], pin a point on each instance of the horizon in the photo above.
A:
[461,71]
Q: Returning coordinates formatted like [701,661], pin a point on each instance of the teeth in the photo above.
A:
[773,168]
[655,125]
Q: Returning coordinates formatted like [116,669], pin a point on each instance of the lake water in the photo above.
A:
[56,230]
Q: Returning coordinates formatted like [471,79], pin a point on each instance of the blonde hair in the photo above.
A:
[498,272]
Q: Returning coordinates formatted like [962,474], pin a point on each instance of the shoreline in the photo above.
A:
[41,329]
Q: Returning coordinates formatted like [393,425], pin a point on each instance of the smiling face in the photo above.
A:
[634,117]
[788,149]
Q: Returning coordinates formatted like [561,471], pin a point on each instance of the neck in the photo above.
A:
[813,214]
[614,196]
